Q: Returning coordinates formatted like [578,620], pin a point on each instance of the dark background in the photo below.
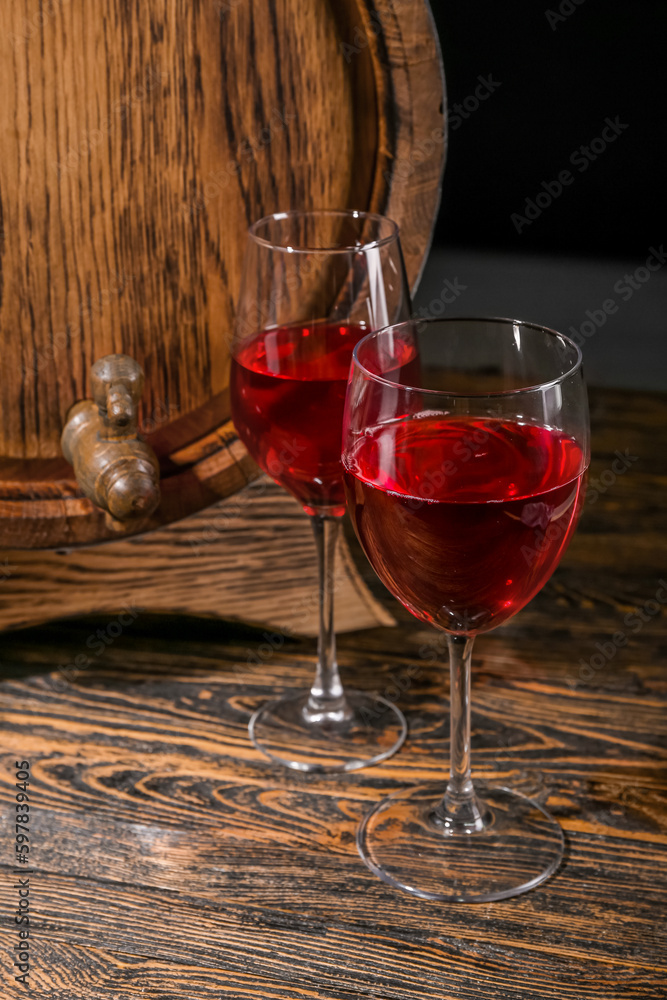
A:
[558,84]
[557,87]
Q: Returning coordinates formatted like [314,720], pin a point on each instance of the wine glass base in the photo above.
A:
[403,843]
[371,730]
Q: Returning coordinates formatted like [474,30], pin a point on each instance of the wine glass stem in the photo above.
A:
[460,809]
[327,699]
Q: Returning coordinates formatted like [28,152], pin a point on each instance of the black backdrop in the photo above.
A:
[558,70]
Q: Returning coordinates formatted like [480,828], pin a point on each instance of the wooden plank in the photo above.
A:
[122,976]
[373,959]
[249,557]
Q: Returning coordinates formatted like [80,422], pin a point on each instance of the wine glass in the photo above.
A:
[465,447]
[314,283]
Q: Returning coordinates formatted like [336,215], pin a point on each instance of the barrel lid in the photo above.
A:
[139,142]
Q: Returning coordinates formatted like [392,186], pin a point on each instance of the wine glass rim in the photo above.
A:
[350,213]
[575,367]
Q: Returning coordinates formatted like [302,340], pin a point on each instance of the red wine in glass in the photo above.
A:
[288,393]
[313,284]
[465,449]
[467,518]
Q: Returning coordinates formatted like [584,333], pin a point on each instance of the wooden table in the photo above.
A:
[170,860]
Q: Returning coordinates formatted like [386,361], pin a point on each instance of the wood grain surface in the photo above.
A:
[172,862]
[250,557]
[140,139]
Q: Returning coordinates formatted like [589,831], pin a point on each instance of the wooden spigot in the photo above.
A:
[113,466]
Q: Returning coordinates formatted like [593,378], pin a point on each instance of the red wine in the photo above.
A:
[464,520]
[288,392]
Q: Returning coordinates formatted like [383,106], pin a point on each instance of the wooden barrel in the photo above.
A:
[139,140]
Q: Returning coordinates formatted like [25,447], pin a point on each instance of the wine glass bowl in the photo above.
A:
[465,448]
[314,283]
